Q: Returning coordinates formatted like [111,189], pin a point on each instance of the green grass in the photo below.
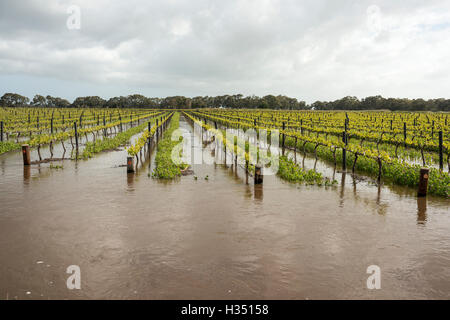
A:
[7,146]
[165,168]
[396,172]
[291,172]
[111,143]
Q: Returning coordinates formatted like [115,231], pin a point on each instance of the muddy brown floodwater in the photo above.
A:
[137,238]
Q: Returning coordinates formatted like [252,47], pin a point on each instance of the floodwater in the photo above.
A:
[134,237]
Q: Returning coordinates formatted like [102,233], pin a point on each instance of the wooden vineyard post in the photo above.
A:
[26,155]
[441,152]
[130,164]
[1,131]
[157,129]
[283,137]
[258,174]
[51,126]
[423,182]
[76,137]
[120,121]
[344,152]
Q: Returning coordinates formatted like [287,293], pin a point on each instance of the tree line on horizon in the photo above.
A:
[237,101]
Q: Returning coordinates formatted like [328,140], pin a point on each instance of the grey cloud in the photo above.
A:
[309,49]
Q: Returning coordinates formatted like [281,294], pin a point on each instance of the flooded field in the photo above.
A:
[214,237]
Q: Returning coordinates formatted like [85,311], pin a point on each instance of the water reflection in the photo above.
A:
[130,181]
[421,210]
[342,194]
[202,239]
[258,191]
[26,175]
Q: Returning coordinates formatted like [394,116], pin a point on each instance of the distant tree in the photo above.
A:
[39,101]
[91,102]
[13,100]
[56,102]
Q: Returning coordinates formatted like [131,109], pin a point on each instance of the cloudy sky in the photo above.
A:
[311,49]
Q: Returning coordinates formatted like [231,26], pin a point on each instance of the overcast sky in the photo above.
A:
[311,50]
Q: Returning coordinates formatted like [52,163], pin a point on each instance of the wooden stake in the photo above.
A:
[26,155]
[258,174]
[423,182]
[130,164]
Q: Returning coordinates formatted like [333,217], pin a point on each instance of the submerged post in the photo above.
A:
[258,174]
[130,164]
[1,131]
[26,155]
[423,182]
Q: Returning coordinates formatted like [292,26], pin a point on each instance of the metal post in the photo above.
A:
[441,152]
[76,136]
[344,152]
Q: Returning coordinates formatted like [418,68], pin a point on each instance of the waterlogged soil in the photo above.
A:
[213,234]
